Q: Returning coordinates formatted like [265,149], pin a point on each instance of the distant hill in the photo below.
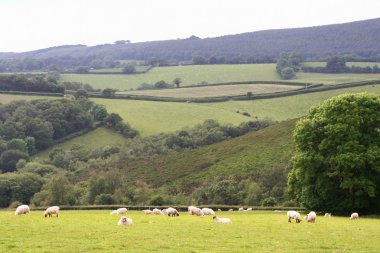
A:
[360,38]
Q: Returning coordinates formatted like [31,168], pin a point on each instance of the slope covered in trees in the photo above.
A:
[358,38]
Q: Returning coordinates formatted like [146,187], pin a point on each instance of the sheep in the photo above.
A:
[148,212]
[122,210]
[219,210]
[208,211]
[172,212]
[124,221]
[222,220]
[52,210]
[193,210]
[165,211]
[249,209]
[310,217]
[354,216]
[230,210]
[157,211]
[327,214]
[241,209]
[23,209]
[294,215]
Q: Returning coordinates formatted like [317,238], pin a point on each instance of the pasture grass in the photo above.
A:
[257,231]
[7,98]
[216,91]
[195,74]
[95,139]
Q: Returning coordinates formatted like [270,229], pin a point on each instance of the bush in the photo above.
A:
[104,199]
[15,204]
[290,203]
[157,201]
[270,201]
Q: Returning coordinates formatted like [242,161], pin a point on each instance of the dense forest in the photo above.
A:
[359,39]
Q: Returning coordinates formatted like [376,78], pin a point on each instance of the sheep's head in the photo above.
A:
[214,217]
[124,219]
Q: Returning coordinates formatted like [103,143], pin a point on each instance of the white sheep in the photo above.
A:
[294,215]
[354,216]
[310,217]
[219,210]
[122,210]
[249,209]
[241,209]
[148,212]
[165,211]
[23,209]
[172,212]
[327,214]
[52,210]
[222,220]
[124,221]
[230,210]
[193,210]
[208,211]
[157,211]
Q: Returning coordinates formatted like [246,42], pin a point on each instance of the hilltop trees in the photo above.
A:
[337,161]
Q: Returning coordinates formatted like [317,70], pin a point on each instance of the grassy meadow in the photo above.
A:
[7,98]
[216,91]
[195,74]
[96,139]
[257,231]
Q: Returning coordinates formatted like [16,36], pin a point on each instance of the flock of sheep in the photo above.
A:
[192,210]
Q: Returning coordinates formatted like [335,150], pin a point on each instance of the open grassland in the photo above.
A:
[96,139]
[151,118]
[189,75]
[287,107]
[195,74]
[216,91]
[96,231]
[7,98]
[349,64]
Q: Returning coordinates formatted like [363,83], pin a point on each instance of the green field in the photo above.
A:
[95,139]
[7,98]
[195,74]
[349,64]
[216,91]
[155,117]
[258,231]
[119,70]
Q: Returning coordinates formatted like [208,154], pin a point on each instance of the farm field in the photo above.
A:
[96,139]
[257,231]
[195,74]
[155,117]
[151,118]
[7,98]
[349,64]
[216,91]
[119,70]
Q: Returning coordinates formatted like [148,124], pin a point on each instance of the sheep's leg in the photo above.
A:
[289,220]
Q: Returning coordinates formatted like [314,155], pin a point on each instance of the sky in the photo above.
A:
[34,24]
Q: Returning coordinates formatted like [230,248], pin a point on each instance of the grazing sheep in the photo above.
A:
[208,211]
[230,210]
[23,209]
[52,210]
[124,221]
[165,211]
[219,210]
[172,212]
[148,212]
[310,217]
[249,209]
[241,209]
[122,210]
[222,220]
[193,210]
[157,211]
[354,216]
[327,214]
[294,215]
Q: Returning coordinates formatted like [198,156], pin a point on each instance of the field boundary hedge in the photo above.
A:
[108,72]
[51,94]
[180,208]
[307,89]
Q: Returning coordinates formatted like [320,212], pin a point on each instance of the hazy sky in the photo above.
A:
[34,24]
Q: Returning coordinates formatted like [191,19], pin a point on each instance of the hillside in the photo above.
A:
[357,38]
[261,157]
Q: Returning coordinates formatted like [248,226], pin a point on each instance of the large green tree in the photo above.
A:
[337,160]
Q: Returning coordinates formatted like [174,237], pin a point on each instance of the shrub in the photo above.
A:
[270,201]
[104,199]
